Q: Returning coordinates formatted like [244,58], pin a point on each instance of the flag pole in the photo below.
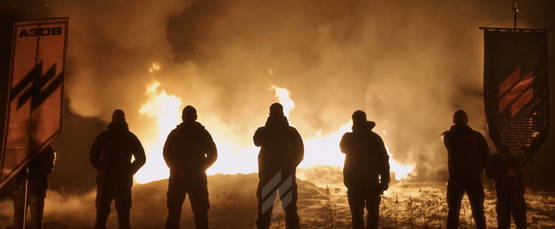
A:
[516,10]
[25,200]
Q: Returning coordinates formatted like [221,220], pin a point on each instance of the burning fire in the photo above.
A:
[165,110]
[282,95]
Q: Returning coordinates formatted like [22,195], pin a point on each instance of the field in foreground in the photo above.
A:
[322,204]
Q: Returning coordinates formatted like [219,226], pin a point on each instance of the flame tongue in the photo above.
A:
[324,150]
[282,95]
[165,110]
[234,158]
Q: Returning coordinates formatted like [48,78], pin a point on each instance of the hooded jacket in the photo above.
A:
[281,146]
[43,163]
[366,156]
[113,149]
[467,151]
[189,150]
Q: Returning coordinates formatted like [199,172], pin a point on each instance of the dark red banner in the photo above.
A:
[35,91]
[516,90]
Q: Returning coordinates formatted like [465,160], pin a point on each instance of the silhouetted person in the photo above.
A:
[366,170]
[506,172]
[39,168]
[110,156]
[281,151]
[467,157]
[189,151]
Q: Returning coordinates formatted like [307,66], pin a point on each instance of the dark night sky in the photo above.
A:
[454,25]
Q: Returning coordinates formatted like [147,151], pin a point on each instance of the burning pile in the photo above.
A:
[165,110]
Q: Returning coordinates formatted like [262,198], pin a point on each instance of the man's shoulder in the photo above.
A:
[103,134]
[173,133]
[293,129]
[260,130]
[347,136]
[477,133]
[375,135]
[132,135]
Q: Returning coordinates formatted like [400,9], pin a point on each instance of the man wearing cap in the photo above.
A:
[111,155]
[467,155]
[366,171]
[188,152]
[281,151]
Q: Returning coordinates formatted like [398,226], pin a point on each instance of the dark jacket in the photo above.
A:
[112,150]
[467,150]
[497,169]
[366,158]
[281,146]
[189,150]
[43,163]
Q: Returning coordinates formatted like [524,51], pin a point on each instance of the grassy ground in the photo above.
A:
[322,204]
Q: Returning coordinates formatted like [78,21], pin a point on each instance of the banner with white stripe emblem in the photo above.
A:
[516,90]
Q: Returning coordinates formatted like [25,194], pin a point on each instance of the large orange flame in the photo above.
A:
[165,110]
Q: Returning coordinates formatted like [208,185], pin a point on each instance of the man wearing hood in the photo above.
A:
[281,152]
[366,171]
[111,155]
[188,152]
[467,157]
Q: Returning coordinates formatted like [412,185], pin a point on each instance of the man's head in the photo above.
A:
[118,116]
[189,114]
[359,118]
[460,117]
[276,109]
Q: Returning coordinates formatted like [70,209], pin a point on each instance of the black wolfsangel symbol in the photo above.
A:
[35,92]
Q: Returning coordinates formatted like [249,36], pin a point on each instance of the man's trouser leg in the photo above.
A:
[519,210]
[266,200]
[175,197]
[356,200]
[373,199]
[37,193]
[200,204]
[104,197]
[475,191]
[288,197]
[503,210]
[455,193]
[123,204]
[19,201]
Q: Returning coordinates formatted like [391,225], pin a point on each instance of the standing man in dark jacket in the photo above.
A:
[366,170]
[37,175]
[506,172]
[281,152]
[110,156]
[188,152]
[467,158]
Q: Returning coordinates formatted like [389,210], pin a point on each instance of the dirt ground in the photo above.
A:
[322,204]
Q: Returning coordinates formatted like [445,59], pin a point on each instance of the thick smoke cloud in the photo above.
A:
[409,64]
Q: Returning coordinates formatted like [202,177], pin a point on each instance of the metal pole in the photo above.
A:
[516,10]
[25,200]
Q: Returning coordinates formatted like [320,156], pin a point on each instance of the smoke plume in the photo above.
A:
[408,64]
